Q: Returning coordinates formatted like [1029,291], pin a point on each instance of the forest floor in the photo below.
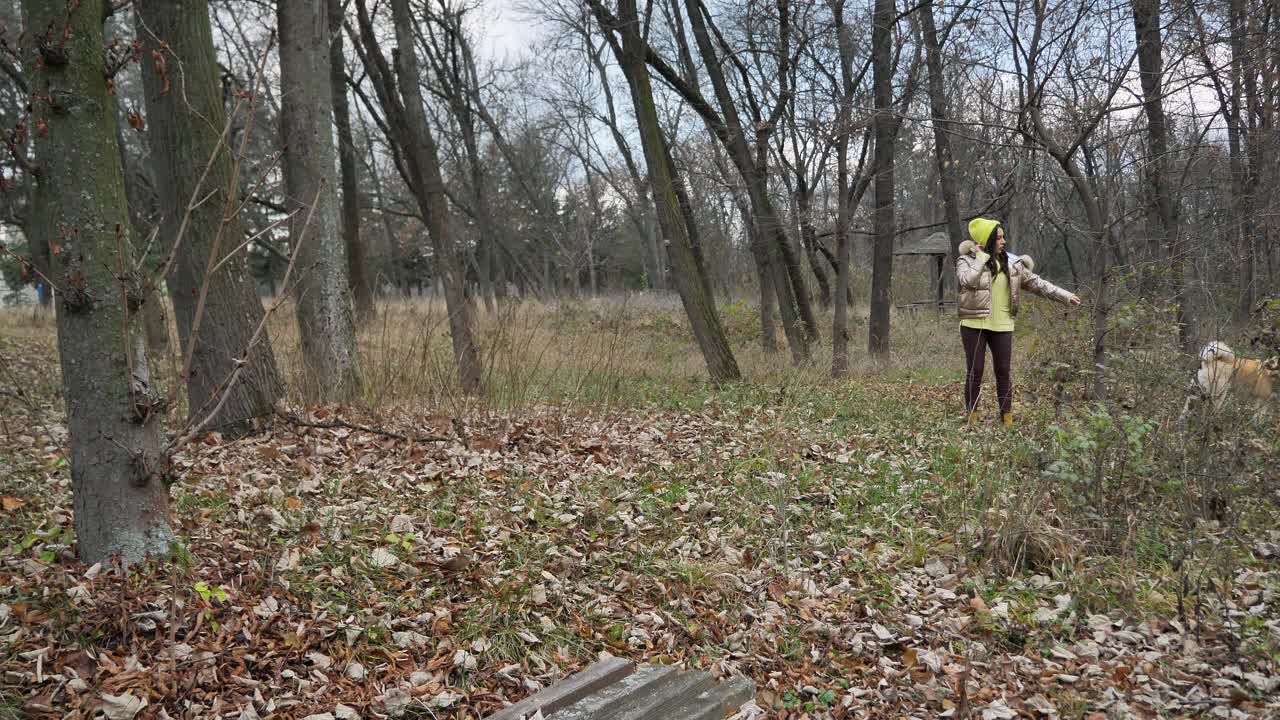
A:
[848,545]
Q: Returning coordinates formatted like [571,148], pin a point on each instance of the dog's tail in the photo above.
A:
[1217,350]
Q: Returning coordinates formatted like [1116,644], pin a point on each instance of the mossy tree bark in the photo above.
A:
[325,320]
[217,311]
[120,499]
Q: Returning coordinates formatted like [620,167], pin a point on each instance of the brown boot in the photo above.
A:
[971,420]
[1007,419]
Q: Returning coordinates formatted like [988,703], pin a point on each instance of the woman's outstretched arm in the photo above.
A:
[1038,285]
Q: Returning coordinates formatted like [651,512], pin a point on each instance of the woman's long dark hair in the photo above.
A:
[1002,256]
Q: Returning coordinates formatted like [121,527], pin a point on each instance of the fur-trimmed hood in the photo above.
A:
[969,247]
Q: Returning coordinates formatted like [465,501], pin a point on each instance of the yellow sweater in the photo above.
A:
[1000,319]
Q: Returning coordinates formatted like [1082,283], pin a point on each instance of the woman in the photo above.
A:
[989,289]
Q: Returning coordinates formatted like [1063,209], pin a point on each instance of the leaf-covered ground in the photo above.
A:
[812,543]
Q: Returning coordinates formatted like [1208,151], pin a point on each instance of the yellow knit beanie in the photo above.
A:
[981,230]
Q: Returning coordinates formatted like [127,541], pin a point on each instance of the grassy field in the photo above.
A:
[848,544]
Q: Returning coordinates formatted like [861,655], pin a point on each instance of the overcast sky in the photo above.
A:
[503,30]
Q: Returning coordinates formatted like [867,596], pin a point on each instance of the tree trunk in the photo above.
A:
[652,248]
[768,303]
[785,249]
[37,228]
[770,230]
[138,196]
[947,165]
[449,54]
[593,195]
[400,91]
[1101,313]
[1146,22]
[488,234]
[1231,98]
[1100,230]
[216,312]
[325,321]
[1245,60]
[844,198]
[671,208]
[389,236]
[121,502]
[1071,261]
[357,266]
[768,294]
[809,240]
[691,222]
[884,221]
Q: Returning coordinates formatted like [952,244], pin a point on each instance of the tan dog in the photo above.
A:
[1222,372]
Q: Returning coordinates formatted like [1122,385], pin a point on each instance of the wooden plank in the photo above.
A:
[652,702]
[717,702]
[643,680]
[570,690]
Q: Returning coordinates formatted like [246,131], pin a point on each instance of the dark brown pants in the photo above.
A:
[976,343]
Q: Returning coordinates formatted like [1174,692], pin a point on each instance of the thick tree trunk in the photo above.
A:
[947,165]
[652,247]
[691,222]
[760,260]
[884,220]
[672,208]
[216,312]
[357,266]
[1146,22]
[325,321]
[121,502]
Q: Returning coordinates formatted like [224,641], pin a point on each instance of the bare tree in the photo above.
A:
[947,170]
[214,298]
[727,125]
[448,52]
[400,95]
[324,309]
[687,272]
[1034,69]
[886,140]
[1146,22]
[357,270]
[113,411]
[806,143]
[850,187]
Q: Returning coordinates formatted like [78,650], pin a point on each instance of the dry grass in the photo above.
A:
[604,351]
[26,322]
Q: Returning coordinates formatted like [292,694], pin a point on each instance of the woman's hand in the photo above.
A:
[1075,300]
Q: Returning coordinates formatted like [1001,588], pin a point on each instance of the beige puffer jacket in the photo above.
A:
[974,283]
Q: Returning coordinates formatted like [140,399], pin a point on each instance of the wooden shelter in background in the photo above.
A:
[936,247]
